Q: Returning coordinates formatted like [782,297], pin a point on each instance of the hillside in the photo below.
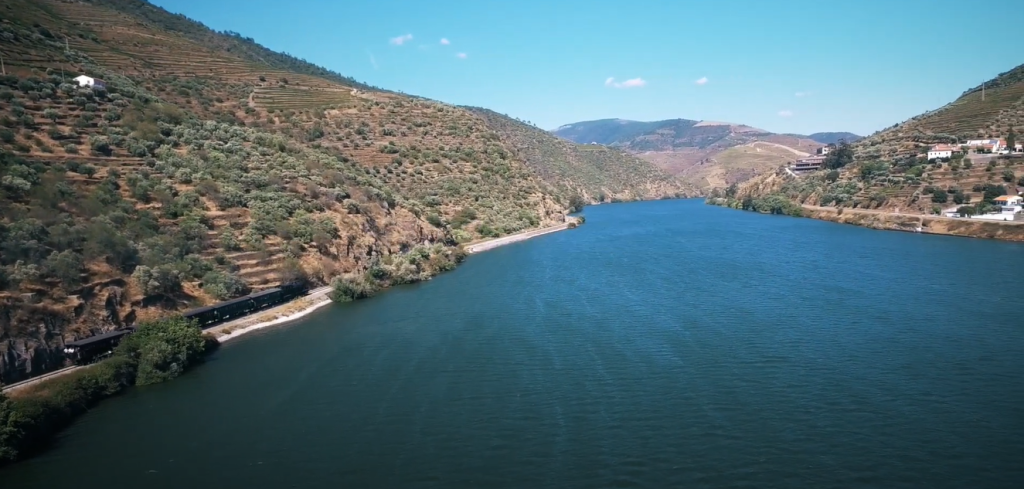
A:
[209,166]
[976,114]
[691,149]
[889,174]
[831,137]
[598,172]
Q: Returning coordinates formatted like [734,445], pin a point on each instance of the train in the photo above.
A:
[88,350]
[234,308]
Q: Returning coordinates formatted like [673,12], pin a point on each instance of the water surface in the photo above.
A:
[662,344]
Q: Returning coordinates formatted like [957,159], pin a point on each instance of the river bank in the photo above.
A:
[890,221]
[571,222]
[968,228]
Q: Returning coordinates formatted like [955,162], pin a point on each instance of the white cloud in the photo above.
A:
[631,83]
[373,61]
[445,41]
[461,55]
[785,113]
[400,40]
[701,81]
[802,94]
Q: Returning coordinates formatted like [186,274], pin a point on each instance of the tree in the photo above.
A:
[1011,140]
[223,285]
[960,197]
[940,196]
[51,114]
[841,156]
[9,435]
[965,210]
[576,203]
[163,349]
[871,169]
[832,176]
[1008,175]
[65,266]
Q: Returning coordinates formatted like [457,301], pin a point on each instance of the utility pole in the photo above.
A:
[4,70]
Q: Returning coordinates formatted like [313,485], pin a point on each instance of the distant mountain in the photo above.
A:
[833,137]
[690,148]
[986,111]
[655,136]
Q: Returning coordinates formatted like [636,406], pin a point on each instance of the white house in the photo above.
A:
[940,151]
[1009,204]
[88,81]
[824,150]
[989,144]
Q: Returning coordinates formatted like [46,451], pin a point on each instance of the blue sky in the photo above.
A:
[786,66]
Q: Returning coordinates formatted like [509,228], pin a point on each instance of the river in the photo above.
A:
[661,344]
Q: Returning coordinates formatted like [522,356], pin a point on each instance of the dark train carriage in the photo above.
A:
[203,316]
[209,315]
[292,290]
[89,349]
[267,297]
[235,307]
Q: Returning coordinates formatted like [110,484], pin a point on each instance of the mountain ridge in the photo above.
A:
[693,149]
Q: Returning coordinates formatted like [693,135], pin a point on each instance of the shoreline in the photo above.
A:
[523,236]
[908,223]
[230,333]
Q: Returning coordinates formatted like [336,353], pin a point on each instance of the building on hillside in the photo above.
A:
[1018,148]
[1020,190]
[941,151]
[1010,204]
[824,150]
[984,144]
[88,81]
[810,163]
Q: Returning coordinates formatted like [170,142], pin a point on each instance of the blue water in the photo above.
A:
[662,344]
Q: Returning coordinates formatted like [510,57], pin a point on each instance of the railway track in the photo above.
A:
[315,293]
[33,380]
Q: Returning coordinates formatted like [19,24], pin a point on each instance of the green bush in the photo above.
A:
[224,285]
[163,349]
[156,352]
[349,288]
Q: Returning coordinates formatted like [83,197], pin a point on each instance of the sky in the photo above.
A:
[786,66]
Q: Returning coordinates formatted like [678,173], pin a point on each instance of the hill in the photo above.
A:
[598,172]
[691,149]
[832,137]
[889,170]
[986,111]
[209,166]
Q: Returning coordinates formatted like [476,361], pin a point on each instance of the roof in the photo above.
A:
[99,337]
[1007,198]
[942,147]
[264,292]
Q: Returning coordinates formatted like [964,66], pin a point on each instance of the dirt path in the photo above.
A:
[782,146]
[515,238]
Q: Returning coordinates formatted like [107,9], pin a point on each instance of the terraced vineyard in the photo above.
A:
[209,167]
[971,116]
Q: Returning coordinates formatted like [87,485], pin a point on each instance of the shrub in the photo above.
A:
[348,288]
[71,149]
[7,135]
[940,196]
[224,285]
[1008,175]
[163,349]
